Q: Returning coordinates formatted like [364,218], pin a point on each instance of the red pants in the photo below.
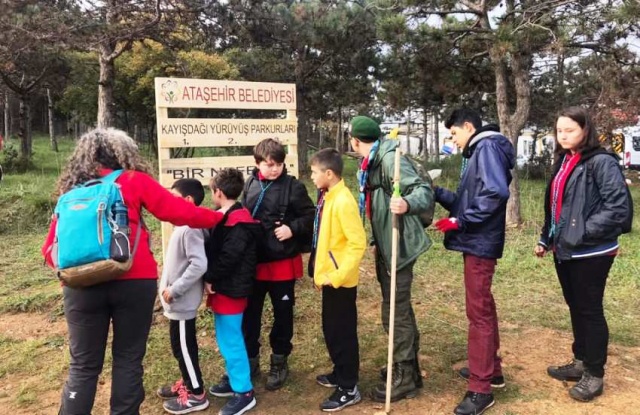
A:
[484,340]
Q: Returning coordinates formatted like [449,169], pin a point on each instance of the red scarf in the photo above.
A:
[367,194]
[560,181]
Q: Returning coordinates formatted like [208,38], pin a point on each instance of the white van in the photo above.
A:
[632,151]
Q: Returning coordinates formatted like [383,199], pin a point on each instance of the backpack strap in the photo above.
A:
[245,190]
[109,178]
[112,177]
[137,240]
[382,184]
[284,196]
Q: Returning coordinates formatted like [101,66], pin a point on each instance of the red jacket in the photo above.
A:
[140,190]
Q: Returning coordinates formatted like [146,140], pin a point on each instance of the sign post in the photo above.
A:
[185,93]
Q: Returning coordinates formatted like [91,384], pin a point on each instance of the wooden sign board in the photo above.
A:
[186,132]
[219,133]
[204,168]
[205,93]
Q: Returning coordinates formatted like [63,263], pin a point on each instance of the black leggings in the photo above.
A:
[583,282]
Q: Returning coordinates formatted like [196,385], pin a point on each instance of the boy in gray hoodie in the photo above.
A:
[181,289]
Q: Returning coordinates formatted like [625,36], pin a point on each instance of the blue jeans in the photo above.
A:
[231,343]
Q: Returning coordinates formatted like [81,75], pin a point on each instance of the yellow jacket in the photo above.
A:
[341,239]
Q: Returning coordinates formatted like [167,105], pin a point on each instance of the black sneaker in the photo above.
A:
[474,403]
[170,391]
[239,404]
[222,389]
[328,380]
[570,372]
[497,382]
[340,399]
[186,403]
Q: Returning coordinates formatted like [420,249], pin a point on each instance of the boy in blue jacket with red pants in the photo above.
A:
[476,227]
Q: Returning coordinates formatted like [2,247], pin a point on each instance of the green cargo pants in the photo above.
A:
[406,341]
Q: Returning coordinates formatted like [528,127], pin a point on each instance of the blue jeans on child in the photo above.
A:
[233,350]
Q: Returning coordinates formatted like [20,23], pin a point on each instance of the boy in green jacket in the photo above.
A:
[376,186]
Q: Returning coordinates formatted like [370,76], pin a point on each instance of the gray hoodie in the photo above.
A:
[184,265]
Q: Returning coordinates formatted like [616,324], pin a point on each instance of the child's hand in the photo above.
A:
[166,296]
[327,281]
[283,232]
[208,288]
[398,205]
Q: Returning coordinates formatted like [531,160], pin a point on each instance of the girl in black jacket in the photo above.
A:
[586,208]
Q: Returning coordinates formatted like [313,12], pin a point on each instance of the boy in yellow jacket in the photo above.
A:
[339,242]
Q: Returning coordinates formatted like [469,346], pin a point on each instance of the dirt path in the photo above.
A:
[526,355]
[27,326]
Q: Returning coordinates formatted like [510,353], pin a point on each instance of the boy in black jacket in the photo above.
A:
[282,205]
[231,255]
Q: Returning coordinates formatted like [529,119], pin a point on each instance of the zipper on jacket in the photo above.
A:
[48,251]
[101,208]
[335,264]
[82,199]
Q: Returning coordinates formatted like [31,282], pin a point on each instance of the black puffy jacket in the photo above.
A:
[595,205]
[299,212]
[480,202]
[231,253]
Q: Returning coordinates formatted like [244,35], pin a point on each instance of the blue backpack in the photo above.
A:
[92,233]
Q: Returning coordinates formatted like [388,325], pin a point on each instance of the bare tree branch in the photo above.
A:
[441,13]
[129,37]
[475,8]
[120,49]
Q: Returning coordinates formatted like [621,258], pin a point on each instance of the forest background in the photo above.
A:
[66,66]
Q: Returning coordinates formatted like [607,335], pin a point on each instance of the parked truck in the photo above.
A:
[632,150]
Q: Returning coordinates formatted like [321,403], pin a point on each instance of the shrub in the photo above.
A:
[538,168]
[12,161]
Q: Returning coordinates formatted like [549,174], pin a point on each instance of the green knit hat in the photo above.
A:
[365,129]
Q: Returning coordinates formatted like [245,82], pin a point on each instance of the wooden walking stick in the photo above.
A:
[394,263]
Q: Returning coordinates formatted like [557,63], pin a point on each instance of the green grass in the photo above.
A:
[25,199]
[526,290]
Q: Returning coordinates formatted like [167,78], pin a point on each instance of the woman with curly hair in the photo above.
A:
[126,302]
